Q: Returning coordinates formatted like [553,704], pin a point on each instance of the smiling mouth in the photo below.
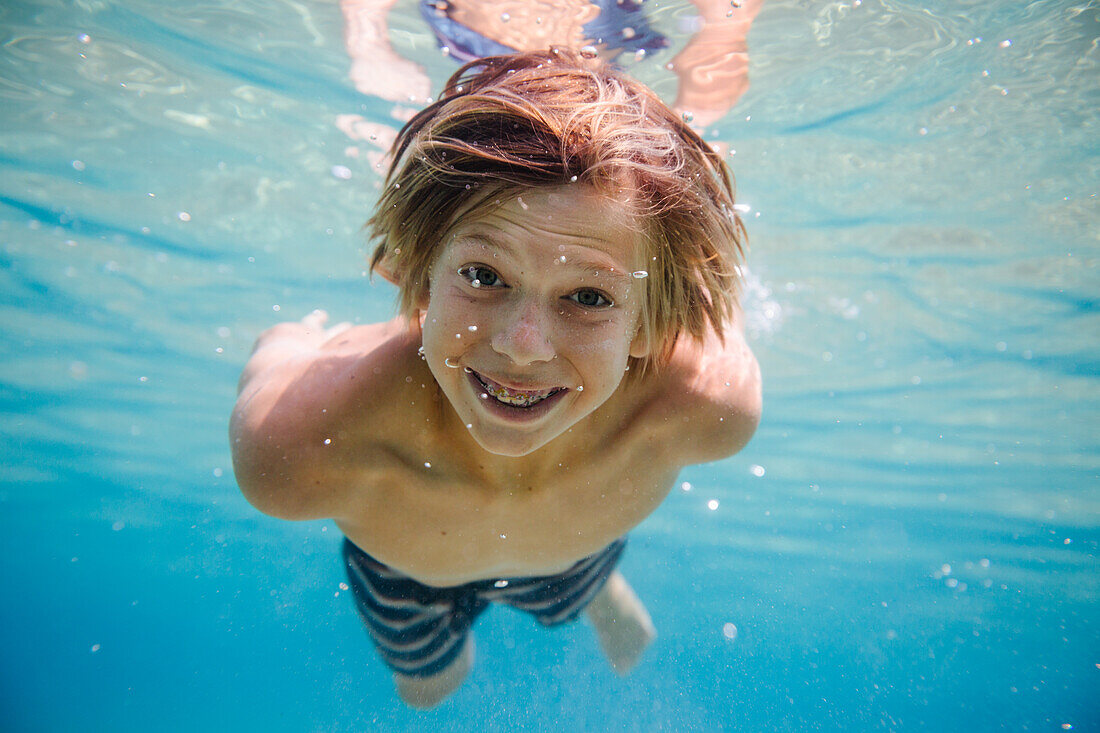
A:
[514,397]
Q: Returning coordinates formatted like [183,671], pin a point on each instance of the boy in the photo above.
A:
[567,253]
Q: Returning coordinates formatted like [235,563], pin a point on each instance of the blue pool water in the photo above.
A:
[910,541]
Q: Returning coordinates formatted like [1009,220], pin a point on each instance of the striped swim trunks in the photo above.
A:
[419,629]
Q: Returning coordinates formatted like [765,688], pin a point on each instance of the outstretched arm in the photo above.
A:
[273,427]
[712,391]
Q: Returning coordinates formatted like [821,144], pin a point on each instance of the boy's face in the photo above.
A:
[532,313]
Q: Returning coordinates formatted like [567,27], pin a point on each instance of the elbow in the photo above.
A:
[754,399]
[751,406]
[264,473]
[738,416]
[263,488]
[275,493]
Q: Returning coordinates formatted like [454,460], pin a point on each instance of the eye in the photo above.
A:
[590,298]
[480,276]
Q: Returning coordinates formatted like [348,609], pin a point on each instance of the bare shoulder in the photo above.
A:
[304,427]
[707,399]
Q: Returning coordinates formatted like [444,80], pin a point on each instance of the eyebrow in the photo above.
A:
[589,267]
[616,275]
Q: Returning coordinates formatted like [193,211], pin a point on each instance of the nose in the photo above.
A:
[522,334]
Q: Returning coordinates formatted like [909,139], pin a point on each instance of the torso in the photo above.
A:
[456,526]
[418,494]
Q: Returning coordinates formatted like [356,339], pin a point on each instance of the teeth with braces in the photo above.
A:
[516,398]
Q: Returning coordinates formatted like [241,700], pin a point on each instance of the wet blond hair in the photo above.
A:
[505,124]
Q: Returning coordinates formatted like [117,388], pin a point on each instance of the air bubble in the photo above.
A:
[685,487]
[589,52]
[729,631]
[580,387]
[712,504]
[640,274]
[427,464]
[505,17]
[448,362]
[501,583]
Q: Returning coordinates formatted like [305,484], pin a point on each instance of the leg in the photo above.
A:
[623,626]
[422,633]
[427,692]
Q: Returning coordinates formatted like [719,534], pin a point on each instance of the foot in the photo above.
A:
[427,692]
[623,626]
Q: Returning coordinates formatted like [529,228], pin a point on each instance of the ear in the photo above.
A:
[640,346]
[423,298]
[384,269]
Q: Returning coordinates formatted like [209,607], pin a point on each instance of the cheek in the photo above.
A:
[449,325]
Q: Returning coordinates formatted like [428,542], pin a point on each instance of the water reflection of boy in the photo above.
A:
[712,67]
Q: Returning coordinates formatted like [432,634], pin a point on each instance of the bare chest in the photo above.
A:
[443,525]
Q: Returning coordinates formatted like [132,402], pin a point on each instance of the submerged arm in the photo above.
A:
[277,426]
[713,397]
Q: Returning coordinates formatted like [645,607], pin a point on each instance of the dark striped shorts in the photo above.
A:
[420,629]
